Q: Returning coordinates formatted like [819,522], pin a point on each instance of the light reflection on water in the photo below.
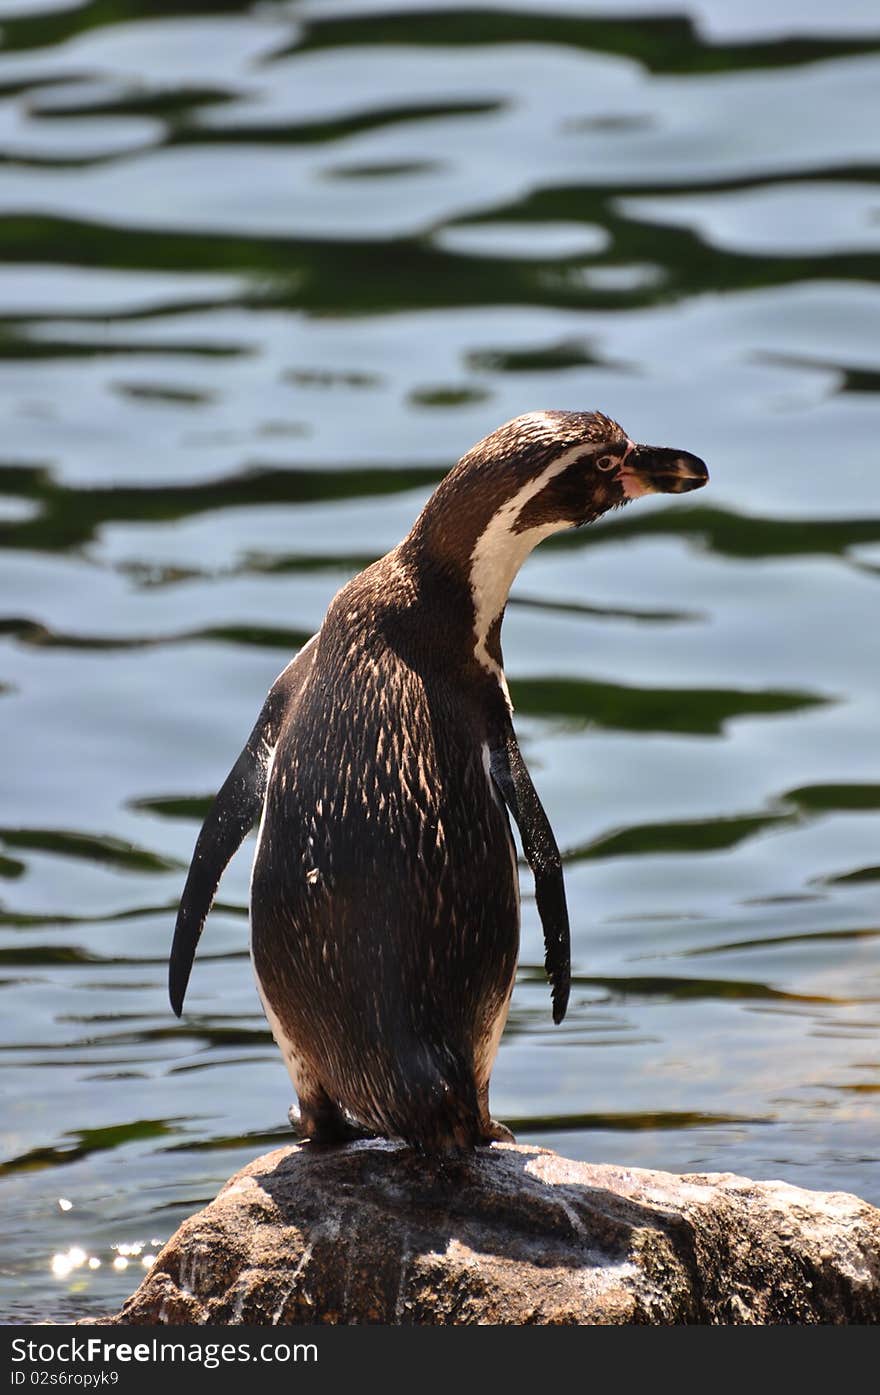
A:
[267,274]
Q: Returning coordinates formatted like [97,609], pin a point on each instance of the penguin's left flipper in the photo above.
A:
[514,783]
[228,821]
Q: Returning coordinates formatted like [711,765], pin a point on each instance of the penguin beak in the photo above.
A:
[661,470]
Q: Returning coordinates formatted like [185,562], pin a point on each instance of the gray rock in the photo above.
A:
[372,1233]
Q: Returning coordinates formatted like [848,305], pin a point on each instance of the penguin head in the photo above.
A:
[563,469]
[534,476]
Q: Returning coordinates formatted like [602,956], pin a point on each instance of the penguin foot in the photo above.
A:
[498,1133]
[326,1126]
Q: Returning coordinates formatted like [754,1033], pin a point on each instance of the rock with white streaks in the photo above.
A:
[371,1232]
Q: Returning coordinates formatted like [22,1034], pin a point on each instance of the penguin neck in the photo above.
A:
[469,549]
[494,563]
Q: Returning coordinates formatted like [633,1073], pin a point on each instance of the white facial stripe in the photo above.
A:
[500,552]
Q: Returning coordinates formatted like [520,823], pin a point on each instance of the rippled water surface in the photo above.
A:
[268,271]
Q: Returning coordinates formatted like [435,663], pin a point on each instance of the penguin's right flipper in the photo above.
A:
[230,818]
[511,776]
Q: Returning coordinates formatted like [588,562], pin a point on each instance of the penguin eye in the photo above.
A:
[606,462]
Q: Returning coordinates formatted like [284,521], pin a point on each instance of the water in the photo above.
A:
[268,272]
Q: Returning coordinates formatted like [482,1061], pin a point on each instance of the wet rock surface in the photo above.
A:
[371,1233]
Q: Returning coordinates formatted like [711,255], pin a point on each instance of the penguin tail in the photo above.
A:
[437,1109]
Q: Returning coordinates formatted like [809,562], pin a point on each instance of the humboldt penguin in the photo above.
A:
[382,768]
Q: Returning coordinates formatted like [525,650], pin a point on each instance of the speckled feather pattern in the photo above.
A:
[385,919]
